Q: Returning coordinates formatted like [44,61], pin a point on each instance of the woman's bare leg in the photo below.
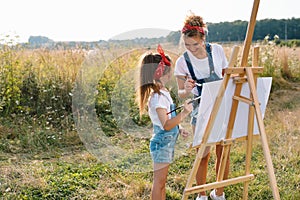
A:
[203,167]
[219,149]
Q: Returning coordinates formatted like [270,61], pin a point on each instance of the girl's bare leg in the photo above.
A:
[159,181]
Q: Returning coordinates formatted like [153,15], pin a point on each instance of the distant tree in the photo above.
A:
[37,40]
[173,37]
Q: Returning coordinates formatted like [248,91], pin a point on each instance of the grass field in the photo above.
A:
[43,156]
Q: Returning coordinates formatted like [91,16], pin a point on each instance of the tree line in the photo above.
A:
[284,29]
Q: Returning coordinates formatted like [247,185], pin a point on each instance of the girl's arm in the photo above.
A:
[167,123]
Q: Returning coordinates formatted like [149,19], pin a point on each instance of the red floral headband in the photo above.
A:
[188,27]
[161,65]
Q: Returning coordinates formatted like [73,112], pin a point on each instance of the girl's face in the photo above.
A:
[167,77]
[194,44]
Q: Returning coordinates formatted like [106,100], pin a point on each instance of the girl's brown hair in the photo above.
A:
[147,84]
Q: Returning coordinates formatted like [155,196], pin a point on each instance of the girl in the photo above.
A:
[155,72]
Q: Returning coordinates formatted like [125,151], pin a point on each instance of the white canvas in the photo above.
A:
[209,93]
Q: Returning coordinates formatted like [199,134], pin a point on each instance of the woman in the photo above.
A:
[201,62]
[155,72]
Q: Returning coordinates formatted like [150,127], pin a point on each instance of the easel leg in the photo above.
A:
[194,169]
[263,136]
[250,127]
[249,148]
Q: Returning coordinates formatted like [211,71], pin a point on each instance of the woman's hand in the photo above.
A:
[189,84]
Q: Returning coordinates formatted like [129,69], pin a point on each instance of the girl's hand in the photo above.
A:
[189,84]
[183,133]
[187,107]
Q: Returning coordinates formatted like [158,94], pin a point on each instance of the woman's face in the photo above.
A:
[194,44]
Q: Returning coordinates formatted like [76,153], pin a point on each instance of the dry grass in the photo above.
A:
[74,173]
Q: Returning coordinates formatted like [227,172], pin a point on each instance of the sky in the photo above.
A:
[93,20]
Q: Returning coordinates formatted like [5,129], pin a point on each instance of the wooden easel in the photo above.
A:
[239,75]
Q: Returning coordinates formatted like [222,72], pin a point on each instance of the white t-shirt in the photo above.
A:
[163,100]
[201,66]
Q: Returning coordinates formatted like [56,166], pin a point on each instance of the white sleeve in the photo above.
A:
[162,102]
[223,58]
[159,101]
[181,68]
[220,59]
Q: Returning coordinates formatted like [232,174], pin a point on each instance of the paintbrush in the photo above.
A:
[191,101]
[184,79]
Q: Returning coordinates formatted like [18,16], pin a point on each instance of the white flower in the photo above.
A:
[267,37]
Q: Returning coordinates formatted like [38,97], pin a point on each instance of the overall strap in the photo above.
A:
[191,70]
[210,58]
[190,66]
[212,74]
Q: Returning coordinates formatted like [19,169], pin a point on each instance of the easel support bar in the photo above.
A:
[244,99]
[238,79]
[219,184]
[229,141]
[241,70]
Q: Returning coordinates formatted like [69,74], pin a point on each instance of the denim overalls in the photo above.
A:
[163,142]
[212,77]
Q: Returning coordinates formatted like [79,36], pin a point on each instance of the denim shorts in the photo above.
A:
[162,144]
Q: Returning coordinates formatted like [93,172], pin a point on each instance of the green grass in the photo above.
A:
[43,157]
[70,172]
